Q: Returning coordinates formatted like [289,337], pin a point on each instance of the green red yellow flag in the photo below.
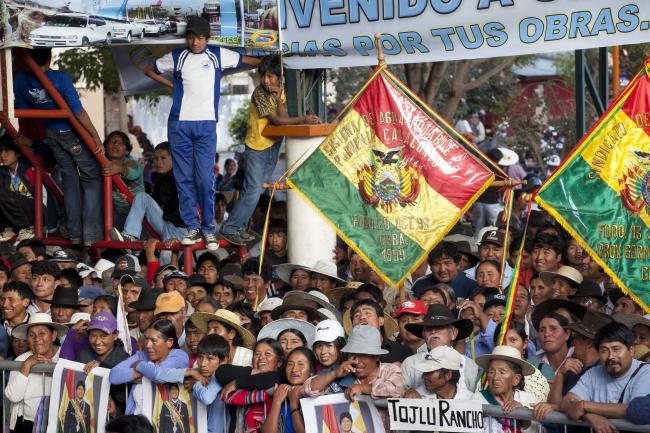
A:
[391,178]
[601,193]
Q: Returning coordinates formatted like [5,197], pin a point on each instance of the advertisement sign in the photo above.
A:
[58,23]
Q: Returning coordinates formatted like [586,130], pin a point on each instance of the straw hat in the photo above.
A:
[20,331]
[364,340]
[506,353]
[336,294]
[274,329]
[391,327]
[231,319]
[567,272]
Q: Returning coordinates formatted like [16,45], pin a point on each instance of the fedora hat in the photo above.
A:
[274,329]
[285,270]
[327,268]
[391,328]
[336,294]
[631,320]
[365,340]
[65,297]
[440,315]
[589,289]
[267,305]
[16,260]
[20,331]
[567,272]
[295,301]
[553,304]
[147,300]
[591,322]
[506,353]
[231,319]
[465,248]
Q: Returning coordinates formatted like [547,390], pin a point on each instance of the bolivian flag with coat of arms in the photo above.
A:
[391,178]
[601,193]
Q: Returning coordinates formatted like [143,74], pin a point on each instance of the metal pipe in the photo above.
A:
[41,114]
[108,207]
[38,203]
[616,70]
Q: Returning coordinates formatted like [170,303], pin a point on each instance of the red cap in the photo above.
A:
[411,306]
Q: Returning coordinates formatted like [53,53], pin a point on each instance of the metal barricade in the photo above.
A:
[489,411]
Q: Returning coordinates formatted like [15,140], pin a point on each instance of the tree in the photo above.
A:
[238,125]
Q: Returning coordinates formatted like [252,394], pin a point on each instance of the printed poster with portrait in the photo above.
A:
[335,414]
[172,409]
[78,401]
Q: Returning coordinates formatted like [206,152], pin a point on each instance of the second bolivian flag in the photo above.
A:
[601,193]
[390,179]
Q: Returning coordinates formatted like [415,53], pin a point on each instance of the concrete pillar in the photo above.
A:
[310,237]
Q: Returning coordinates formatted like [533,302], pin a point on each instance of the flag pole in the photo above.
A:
[380,51]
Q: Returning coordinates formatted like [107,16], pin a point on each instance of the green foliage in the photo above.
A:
[238,125]
[94,66]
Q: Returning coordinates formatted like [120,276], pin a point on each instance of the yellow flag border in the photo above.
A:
[577,153]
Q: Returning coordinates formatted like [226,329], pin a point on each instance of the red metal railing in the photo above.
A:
[64,112]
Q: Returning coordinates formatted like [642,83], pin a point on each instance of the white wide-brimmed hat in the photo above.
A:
[274,329]
[509,157]
[285,270]
[44,319]
[506,353]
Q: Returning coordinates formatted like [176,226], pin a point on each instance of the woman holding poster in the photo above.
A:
[161,351]
[25,389]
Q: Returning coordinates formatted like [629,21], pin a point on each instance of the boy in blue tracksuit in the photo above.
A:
[192,124]
[213,350]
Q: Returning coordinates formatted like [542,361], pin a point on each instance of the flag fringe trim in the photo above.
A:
[427,251]
[591,252]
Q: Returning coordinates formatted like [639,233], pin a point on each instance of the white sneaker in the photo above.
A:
[26,233]
[7,234]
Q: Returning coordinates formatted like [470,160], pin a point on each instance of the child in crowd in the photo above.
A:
[261,154]
[121,163]
[212,351]
[161,208]
[192,125]
[17,193]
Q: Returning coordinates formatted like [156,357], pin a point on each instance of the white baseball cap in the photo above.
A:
[328,330]
[439,357]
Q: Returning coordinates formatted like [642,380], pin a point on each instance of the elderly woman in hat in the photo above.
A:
[506,371]
[24,388]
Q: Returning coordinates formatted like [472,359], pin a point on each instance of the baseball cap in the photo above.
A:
[439,357]
[127,264]
[134,279]
[171,302]
[497,299]
[64,256]
[411,306]
[176,274]
[198,25]
[268,304]
[90,292]
[492,237]
[328,331]
[104,321]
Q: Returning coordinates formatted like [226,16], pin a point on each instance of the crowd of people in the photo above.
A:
[250,334]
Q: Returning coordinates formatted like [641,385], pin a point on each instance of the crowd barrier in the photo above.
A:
[489,411]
